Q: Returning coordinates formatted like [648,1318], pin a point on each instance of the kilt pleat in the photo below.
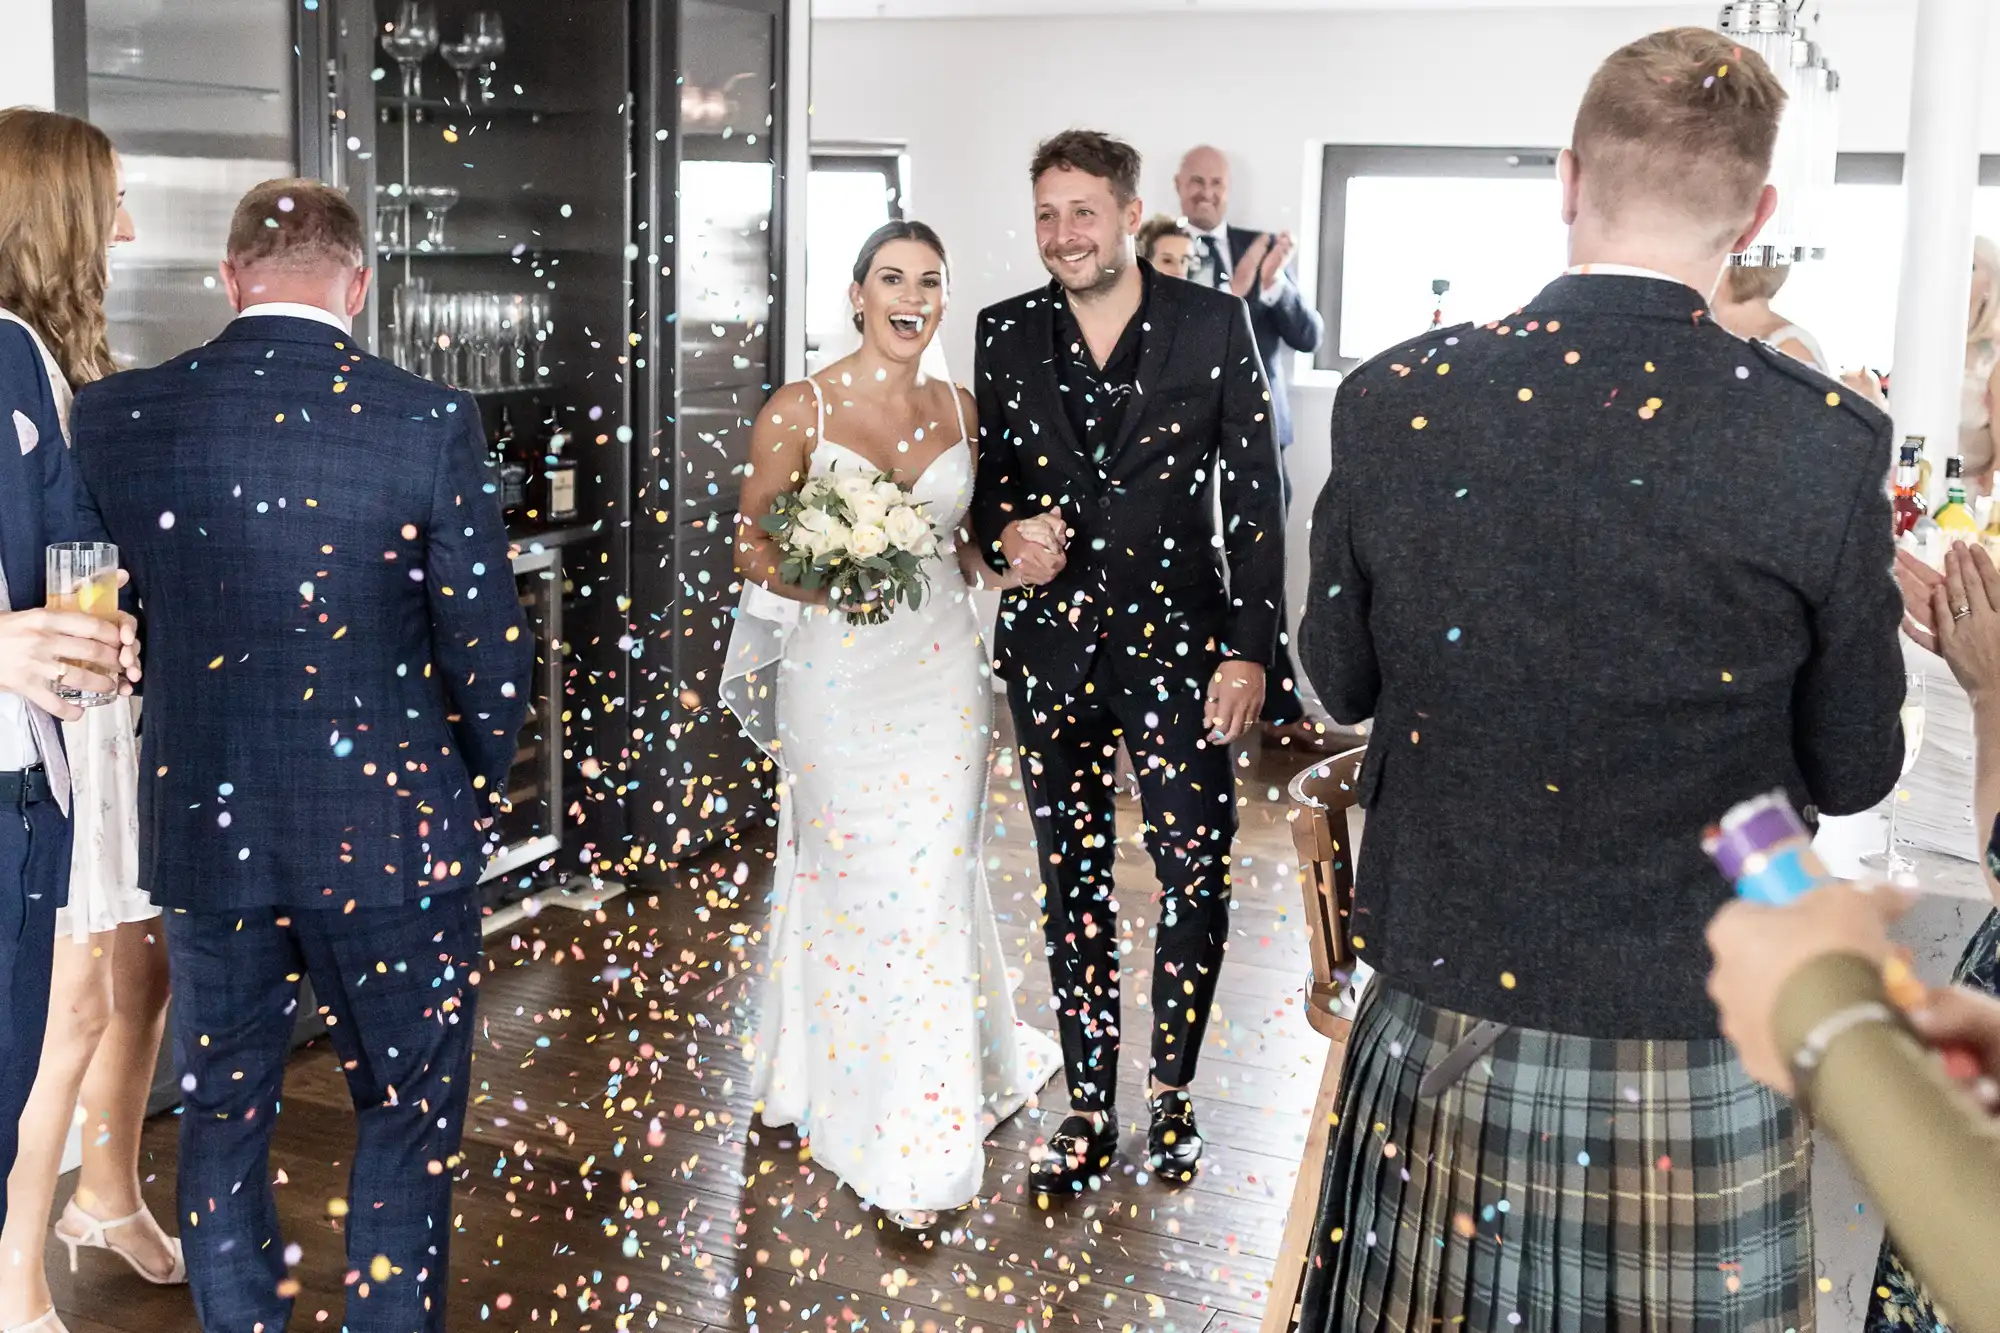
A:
[1566,1184]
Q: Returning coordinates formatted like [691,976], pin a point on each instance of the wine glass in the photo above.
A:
[1889,860]
[464,56]
[412,36]
[489,38]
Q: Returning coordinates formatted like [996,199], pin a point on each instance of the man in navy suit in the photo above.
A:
[39,504]
[342,663]
[1252,265]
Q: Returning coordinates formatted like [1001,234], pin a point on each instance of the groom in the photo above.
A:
[1115,403]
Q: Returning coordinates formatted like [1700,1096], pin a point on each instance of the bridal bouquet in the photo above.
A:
[859,535]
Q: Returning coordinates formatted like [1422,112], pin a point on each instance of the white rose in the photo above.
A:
[813,520]
[836,538]
[889,493]
[870,509]
[812,542]
[907,531]
[867,540]
[851,487]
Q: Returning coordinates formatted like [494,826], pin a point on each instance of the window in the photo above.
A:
[850,193]
[1394,221]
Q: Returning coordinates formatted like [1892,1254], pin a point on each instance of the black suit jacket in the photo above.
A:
[1597,572]
[1144,560]
[336,657]
[1288,323]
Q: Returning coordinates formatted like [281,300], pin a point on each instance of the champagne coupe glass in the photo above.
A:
[489,38]
[436,201]
[412,36]
[1889,860]
[464,56]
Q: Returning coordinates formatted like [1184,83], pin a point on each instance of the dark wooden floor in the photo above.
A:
[617,1179]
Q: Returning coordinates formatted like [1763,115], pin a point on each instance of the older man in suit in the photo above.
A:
[343,664]
[1253,265]
[1597,570]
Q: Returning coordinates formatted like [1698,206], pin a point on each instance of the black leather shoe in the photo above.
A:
[1173,1144]
[1077,1157]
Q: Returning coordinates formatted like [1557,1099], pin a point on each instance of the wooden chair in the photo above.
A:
[1325,819]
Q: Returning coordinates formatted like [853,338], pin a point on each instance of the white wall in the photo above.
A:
[971,97]
[27,53]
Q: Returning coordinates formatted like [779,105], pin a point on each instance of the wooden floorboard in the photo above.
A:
[670,1207]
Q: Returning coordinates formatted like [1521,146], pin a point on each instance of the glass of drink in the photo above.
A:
[1889,860]
[83,576]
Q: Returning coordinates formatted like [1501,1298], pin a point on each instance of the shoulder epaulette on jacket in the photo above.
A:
[1823,385]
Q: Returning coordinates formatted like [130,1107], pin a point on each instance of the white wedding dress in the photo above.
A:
[888,1033]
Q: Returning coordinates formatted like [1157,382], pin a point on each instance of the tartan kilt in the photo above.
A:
[1565,1184]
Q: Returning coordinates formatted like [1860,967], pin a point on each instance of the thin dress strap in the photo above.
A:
[819,402]
[958,406]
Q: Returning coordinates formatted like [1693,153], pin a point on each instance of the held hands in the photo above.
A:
[1235,698]
[1035,547]
[1956,614]
[1758,948]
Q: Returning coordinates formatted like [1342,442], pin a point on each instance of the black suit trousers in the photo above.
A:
[1187,795]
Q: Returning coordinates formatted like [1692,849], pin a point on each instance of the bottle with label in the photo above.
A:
[562,479]
[1954,518]
[507,463]
[1907,504]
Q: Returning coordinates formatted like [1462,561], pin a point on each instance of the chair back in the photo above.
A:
[1325,801]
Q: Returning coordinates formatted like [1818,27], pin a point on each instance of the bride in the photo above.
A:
[888,1029]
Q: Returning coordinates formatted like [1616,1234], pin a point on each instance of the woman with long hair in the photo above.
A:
[61,208]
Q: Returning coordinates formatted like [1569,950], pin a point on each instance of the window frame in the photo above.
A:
[1340,163]
[885,158]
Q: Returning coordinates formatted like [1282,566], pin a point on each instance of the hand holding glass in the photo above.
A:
[83,577]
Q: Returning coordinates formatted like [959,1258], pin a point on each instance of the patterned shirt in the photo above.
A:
[1095,397]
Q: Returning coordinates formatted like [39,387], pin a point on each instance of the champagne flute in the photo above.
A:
[1889,860]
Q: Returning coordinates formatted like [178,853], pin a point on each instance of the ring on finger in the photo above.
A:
[1961,612]
[62,670]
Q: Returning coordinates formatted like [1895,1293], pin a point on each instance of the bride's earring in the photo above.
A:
[858,322]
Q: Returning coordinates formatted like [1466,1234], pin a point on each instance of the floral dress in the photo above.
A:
[1900,1303]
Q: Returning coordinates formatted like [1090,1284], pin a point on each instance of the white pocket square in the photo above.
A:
[30,437]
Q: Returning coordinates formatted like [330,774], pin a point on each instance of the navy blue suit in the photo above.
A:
[337,663]
[39,504]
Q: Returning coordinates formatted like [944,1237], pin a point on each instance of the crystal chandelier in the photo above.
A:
[1808,136]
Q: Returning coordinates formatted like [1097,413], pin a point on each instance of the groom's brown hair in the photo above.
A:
[1093,154]
[1685,118]
[298,223]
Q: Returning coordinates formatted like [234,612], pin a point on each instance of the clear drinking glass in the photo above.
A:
[1889,860]
[436,201]
[83,576]
[489,38]
[464,56]
[408,39]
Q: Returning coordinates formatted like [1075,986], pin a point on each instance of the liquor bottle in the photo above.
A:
[507,463]
[1907,503]
[1954,518]
[1439,286]
[562,479]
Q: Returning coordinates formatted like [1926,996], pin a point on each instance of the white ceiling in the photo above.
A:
[959,9]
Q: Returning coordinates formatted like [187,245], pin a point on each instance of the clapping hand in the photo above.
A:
[1956,614]
[1272,269]
[1235,698]
[1035,546]
[1249,265]
[1866,383]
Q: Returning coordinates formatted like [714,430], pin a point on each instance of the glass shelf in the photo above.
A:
[139,83]
[394,107]
[520,251]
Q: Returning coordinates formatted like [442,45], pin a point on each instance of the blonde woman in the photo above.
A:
[1742,304]
[61,207]
[1976,428]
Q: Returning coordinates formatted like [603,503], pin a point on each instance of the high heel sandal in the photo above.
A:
[44,1323]
[95,1235]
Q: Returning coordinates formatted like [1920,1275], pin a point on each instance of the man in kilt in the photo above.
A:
[1596,570]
